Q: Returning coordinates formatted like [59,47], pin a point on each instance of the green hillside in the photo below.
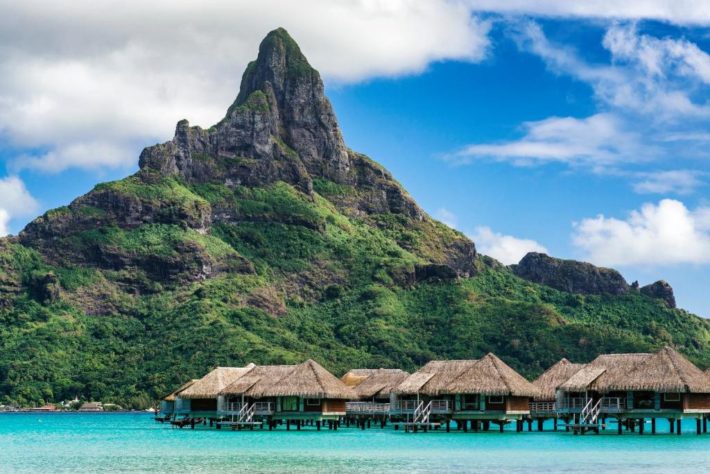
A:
[256,242]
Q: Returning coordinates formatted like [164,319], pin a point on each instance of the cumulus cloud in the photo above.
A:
[126,72]
[652,94]
[596,140]
[657,234]
[15,201]
[504,248]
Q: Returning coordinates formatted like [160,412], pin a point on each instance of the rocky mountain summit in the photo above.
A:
[584,278]
[265,239]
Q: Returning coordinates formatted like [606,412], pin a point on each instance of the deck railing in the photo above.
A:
[367,408]
[263,408]
[409,406]
[404,406]
[232,408]
[440,406]
[572,404]
[542,407]
[613,404]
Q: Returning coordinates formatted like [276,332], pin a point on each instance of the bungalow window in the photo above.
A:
[470,402]
[671,397]
[289,404]
[313,402]
[495,399]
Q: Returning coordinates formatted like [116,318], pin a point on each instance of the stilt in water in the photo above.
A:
[621,425]
[642,422]
[465,426]
[653,426]
[671,421]
[475,425]
[678,426]
[529,424]
[698,426]
[288,425]
[448,426]
[705,424]
[486,425]
[318,425]
[298,425]
[540,423]
[555,423]
[502,426]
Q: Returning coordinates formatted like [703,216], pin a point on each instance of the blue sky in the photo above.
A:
[583,136]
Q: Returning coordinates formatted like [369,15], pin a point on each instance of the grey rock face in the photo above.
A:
[660,290]
[570,275]
[281,127]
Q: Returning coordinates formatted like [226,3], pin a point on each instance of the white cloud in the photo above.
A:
[447,217]
[595,141]
[72,73]
[504,248]
[15,201]
[657,234]
[676,11]
[665,182]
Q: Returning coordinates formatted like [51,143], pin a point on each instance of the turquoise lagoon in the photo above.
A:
[136,443]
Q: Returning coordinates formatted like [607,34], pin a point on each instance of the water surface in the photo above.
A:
[135,443]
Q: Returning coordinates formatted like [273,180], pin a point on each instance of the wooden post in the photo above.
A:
[705,424]
[448,426]
[620,425]
[465,426]
[288,425]
[540,423]
[671,421]
[318,425]
[271,425]
[641,425]
[653,426]
[529,424]
[698,428]
[555,423]
[475,425]
[502,425]
[678,426]
[298,425]
[486,425]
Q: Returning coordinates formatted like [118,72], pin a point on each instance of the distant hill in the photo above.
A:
[265,239]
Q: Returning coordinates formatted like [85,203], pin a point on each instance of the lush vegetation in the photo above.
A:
[324,284]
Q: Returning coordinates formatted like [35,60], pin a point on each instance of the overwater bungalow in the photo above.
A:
[202,398]
[373,389]
[636,387]
[543,405]
[292,394]
[166,411]
[467,391]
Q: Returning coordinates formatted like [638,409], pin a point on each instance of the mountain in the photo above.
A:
[265,239]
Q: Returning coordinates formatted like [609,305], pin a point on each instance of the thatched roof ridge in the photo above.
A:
[260,376]
[665,371]
[434,377]
[553,377]
[306,380]
[214,382]
[171,396]
[491,376]
[377,382]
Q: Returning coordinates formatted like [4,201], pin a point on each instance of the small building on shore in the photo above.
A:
[91,407]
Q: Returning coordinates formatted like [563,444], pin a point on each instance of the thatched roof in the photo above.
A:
[663,371]
[257,379]
[553,377]
[355,377]
[492,376]
[306,380]
[171,397]
[214,382]
[434,377]
[488,375]
[374,383]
